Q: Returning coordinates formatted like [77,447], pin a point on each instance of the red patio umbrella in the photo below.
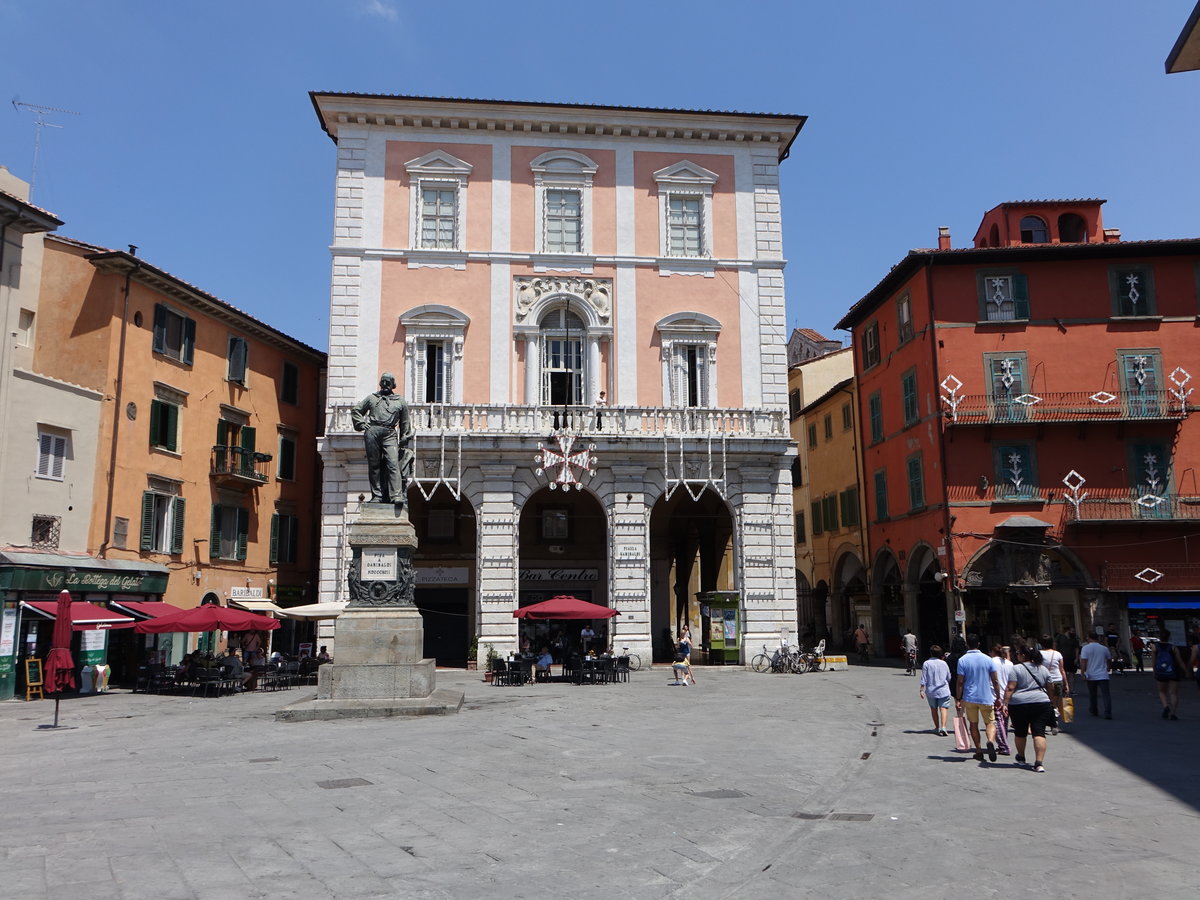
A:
[59,674]
[564,606]
[207,618]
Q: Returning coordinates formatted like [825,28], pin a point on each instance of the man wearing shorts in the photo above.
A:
[976,694]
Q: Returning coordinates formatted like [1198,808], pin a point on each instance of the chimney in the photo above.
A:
[1112,235]
[943,238]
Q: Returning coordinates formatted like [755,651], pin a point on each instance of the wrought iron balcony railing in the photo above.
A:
[237,465]
[1065,406]
[1146,508]
[605,421]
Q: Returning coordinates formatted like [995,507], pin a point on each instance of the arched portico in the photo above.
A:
[849,601]
[887,603]
[926,610]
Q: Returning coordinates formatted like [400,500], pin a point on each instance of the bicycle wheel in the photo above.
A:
[761,663]
[635,662]
[816,663]
[796,664]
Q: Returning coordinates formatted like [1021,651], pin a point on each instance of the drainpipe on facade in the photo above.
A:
[951,581]
[118,393]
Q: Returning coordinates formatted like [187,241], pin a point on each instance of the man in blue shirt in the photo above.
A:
[976,694]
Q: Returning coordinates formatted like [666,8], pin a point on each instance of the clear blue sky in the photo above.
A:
[196,139]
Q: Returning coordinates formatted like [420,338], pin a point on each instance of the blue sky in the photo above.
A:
[196,139]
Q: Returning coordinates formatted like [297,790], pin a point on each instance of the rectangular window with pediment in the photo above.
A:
[433,374]
[1132,291]
[1007,386]
[1003,296]
[1015,471]
[564,221]
[439,215]
[1141,382]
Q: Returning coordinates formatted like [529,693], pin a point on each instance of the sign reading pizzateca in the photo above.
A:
[379,564]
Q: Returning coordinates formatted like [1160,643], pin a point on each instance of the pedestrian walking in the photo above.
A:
[1003,666]
[1138,646]
[1055,664]
[1069,648]
[1095,661]
[1168,672]
[935,689]
[976,692]
[685,642]
[862,642]
[1027,699]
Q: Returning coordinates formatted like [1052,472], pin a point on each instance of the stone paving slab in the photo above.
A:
[724,789]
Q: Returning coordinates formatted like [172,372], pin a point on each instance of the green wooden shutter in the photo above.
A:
[177,534]
[275,539]
[155,422]
[831,513]
[214,533]
[160,329]
[815,510]
[248,439]
[243,531]
[147,542]
[189,340]
[293,539]
[172,413]
[1020,289]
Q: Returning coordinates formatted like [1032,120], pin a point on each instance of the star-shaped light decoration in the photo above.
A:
[561,462]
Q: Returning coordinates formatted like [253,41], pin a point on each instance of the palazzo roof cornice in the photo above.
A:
[336,111]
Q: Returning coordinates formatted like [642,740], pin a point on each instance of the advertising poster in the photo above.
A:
[92,646]
[8,632]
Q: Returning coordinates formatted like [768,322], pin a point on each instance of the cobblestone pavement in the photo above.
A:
[743,785]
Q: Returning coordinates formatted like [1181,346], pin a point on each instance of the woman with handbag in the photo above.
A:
[1027,699]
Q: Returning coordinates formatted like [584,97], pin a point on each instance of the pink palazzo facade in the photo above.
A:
[540,273]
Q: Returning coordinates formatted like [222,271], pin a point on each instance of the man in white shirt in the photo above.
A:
[1095,660]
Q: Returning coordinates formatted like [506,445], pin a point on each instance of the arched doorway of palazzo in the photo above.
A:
[849,602]
[691,552]
[932,625]
[563,549]
[444,570]
[887,602]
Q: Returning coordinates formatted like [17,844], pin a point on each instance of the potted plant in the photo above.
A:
[490,657]
[473,654]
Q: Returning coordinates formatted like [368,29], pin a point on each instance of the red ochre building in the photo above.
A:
[1025,407]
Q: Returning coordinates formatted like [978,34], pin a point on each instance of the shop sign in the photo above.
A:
[441,575]
[85,580]
[578,575]
[8,632]
[91,647]
[379,564]
[245,593]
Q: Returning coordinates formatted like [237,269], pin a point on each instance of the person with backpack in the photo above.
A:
[1168,672]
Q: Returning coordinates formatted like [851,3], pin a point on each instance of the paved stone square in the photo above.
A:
[744,785]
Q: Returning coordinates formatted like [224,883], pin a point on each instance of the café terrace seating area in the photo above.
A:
[579,670]
[219,680]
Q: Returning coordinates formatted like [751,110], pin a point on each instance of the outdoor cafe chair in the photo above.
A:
[209,679]
[499,672]
[621,669]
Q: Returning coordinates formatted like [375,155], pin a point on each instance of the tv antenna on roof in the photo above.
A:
[39,122]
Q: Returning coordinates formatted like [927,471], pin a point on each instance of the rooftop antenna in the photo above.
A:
[39,122]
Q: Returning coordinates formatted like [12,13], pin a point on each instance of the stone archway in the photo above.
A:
[887,604]
[848,597]
[925,606]
[691,552]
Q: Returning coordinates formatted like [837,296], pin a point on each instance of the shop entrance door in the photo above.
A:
[444,614]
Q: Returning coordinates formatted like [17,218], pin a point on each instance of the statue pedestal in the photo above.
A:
[378,667]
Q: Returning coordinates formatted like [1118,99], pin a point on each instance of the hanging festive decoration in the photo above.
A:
[442,471]
[951,398]
[1074,481]
[562,461]
[690,471]
[1152,497]
[1149,575]
[1180,377]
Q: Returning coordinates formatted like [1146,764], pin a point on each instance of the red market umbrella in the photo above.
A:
[207,618]
[59,674]
[564,607]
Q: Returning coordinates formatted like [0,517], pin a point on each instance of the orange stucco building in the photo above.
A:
[205,463]
[1030,456]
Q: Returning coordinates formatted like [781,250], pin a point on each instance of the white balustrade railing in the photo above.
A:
[611,421]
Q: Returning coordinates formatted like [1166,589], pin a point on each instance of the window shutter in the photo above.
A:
[147,542]
[274,558]
[44,454]
[177,533]
[293,539]
[679,396]
[831,513]
[214,533]
[702,376]
[172,412]
[1020,289]
[243,531]
[156,410]
[815,511]
[189,340]
[160,329]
